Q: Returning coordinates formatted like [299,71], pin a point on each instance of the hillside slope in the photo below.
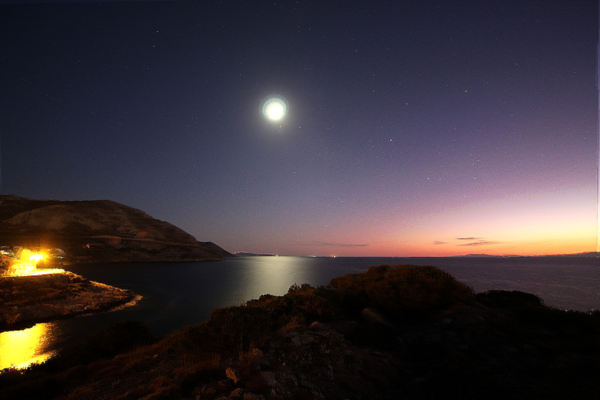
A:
[95,231]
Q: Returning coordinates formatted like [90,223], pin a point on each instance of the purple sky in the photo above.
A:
[435,128]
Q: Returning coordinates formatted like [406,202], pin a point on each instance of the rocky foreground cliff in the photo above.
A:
[401,332]
[97,231]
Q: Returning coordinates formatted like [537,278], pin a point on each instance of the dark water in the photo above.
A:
[180,294]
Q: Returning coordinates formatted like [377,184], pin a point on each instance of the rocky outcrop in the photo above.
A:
[97,231]
[27,300]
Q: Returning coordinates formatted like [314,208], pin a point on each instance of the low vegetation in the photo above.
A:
[401,289]
[531,308]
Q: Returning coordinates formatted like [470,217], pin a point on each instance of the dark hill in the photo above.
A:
[96,231]
[217,250]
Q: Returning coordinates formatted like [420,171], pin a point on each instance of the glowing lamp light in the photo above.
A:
[26,264]
[274,108]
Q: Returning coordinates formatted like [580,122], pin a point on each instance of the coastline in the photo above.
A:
[400,331]
[28,300]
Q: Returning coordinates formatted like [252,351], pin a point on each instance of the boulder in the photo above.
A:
[233,375]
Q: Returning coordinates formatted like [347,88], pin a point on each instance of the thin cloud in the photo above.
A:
[329,244]
[479,243]
[436,242]
[468,238]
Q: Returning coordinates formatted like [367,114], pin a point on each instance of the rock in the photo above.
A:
[252,396]
[257,352]
[13,317]
[237,394]
[296,340]
[373,316]
[233,375]
[306,384]
[269,378]
[317,326]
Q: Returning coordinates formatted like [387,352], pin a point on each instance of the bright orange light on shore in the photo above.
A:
[26,264]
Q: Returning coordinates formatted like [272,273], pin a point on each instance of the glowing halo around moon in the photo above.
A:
[274,108]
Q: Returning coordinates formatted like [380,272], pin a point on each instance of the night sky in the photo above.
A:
[423,128]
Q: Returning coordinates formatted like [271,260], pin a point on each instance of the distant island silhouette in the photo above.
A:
[250,254]
[587,254]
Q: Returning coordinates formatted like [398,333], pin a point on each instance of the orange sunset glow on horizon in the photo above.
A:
[558,222]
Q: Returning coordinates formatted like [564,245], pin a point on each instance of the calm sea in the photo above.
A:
[179,294]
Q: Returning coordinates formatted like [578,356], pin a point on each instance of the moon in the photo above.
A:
[274,108]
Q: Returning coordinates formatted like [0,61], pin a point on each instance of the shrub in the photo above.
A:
[239,327]
[531,308]
[508,299]
[401,288]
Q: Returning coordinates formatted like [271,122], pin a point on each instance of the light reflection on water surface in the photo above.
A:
[19,349]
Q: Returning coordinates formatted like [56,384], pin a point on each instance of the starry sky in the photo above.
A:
[422,128]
